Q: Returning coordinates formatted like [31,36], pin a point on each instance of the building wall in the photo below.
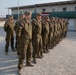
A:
[72,24]
[2,23]
[58,8]
[15,11]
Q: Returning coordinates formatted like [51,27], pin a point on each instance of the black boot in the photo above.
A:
[34,61]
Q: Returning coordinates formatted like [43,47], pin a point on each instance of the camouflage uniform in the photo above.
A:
[54,32]
[25,43]
[59,31]
[18,33]
[9,29]
[66,27]
[37,38]
[63,27]
[51,32]
[61,24]
[45,35]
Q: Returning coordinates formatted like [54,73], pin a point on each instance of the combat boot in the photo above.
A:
[19,71]
[34,61]
[44,51]
[29,65]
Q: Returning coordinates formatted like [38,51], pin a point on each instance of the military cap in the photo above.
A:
[56,17]
[20,15]
[62,18]
[52,18]
[46,17]
[10,16]
[38,14]
[27,13]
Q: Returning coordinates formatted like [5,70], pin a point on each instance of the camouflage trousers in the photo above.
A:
[45,42]
[50,39]
[58,36]
[55,38]
[24,48]
[9,38]
[16,44]
[37,46]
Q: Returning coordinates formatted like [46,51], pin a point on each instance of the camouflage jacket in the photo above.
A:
[36,27]
[25,30]
[9,26]
[45,28]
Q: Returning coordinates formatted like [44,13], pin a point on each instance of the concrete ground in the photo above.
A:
[59,61]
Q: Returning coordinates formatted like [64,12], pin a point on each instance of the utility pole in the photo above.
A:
[35,9]
[18,9]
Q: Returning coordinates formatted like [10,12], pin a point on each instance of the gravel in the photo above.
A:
[59,61]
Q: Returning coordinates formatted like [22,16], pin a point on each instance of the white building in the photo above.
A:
[65,9]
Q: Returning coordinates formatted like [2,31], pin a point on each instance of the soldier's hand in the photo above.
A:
[6,24]
[22,24]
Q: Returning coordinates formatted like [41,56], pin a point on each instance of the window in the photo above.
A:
[43,10]
[75,8]
[64,9]
[53,10]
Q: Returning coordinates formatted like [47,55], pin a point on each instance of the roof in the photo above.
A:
[45,4]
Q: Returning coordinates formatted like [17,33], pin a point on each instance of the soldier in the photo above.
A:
[25,41]
[56,31]
[62,28]
[9,29]
[37,38]
[45,34]
[59,30]
[66,29]
[18,32]
[51,33]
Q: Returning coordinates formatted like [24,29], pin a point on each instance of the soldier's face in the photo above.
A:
[28,17]
[23,16]
[38,17]
[48,20]
[11,18]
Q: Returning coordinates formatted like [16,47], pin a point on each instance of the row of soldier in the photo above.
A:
[34,37]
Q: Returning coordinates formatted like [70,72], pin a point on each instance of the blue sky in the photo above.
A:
[11,3]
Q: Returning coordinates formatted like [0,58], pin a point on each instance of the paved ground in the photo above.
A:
[60,61]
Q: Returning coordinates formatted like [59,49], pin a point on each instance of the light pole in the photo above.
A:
[18,9]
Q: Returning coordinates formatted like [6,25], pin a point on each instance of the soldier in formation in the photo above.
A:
[18,32]
[37,37]
[34,37]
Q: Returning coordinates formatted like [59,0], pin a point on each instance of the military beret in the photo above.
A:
[38,14]
[27,13]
